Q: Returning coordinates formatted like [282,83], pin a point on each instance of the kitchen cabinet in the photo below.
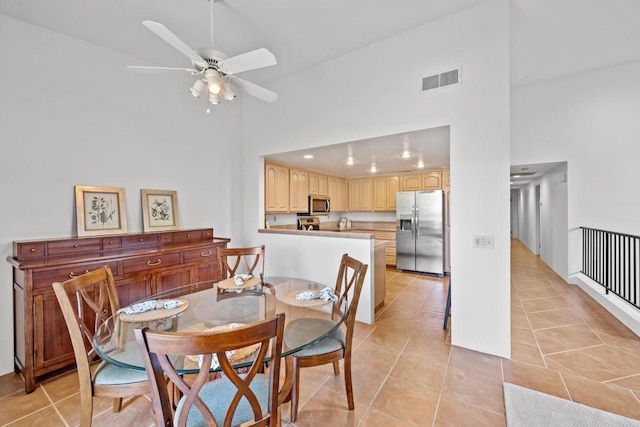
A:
[337,193]
[446,178]
[384,192]
[432,181]
[298,190]
[359,194]
[389,237]
[318,184]
[143,264]
[421,182]
[276,188]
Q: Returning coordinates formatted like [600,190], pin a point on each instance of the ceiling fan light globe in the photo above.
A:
[214,88]
[214,99]
[228,93]
[197,88]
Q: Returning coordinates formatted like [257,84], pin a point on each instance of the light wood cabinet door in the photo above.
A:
[323,186]
[411,182]
[276,192]
[354,194]
[393,186]
[313,183]
[298,190]
[380,193]
[337,193]
[446,178]
[432,181]
[359,195]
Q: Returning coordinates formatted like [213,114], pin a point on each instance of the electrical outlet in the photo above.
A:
[484,242]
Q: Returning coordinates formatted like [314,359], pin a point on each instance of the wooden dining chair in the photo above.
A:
[249,398]
[246,260]
[94,300]
[337,345]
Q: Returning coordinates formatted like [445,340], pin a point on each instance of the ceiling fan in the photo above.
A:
[216,73]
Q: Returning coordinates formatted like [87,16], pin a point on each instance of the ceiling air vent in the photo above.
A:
[438,80]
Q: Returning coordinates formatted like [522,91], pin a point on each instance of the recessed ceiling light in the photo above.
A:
[308,156]
[420,164]
[524,169]
[350,161]
[406,154]
[515,176]
[373,168]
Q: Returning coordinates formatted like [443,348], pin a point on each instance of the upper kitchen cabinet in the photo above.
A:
[276,191]
[432,181]
[360,194]
[384,192]
[298,190]
[423,181]
[318,184]
[337,193]
[446,178]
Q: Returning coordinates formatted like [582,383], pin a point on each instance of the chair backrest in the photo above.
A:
[94,299]
[160,348]
[351,275]
[248,260]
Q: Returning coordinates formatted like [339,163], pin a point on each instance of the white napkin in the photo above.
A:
[141,307]
[239,279]
[325,294]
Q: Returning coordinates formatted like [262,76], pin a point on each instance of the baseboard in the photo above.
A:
[615,305]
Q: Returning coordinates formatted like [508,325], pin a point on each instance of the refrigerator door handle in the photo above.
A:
[413,223]
[417,216]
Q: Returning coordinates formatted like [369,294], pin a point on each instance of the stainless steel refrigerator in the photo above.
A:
[420,231]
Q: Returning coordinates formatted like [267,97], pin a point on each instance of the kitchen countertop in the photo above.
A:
[320,233]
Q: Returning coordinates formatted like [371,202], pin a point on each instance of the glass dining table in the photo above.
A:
[206,306]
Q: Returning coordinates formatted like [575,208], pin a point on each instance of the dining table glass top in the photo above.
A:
[204,307]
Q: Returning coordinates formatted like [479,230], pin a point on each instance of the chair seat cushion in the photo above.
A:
[298,331]
[107,373]
[217,396]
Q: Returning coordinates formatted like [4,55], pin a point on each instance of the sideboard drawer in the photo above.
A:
[150,262]
[208,253]
[187,236]
[73,246]
[44,279]
[111,242]
[140,240]
[30,250]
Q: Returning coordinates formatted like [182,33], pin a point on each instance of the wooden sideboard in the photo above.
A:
[143,264]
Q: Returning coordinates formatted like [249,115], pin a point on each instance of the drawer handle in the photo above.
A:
[33,249]
[208,253]
[142,240]
[188,235]
[151,264]
[75,246]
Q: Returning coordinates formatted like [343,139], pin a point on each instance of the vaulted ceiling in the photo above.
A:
[548,38]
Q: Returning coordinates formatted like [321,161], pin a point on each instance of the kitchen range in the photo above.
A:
[308,223]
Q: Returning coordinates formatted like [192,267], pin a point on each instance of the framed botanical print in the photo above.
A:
[100,210]
[159,210]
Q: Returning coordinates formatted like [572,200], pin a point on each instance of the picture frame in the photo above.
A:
[100,210]
[159,210]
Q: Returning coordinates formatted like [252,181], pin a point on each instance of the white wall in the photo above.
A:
[70,113]
[590,120]
[377,91]
[554,242]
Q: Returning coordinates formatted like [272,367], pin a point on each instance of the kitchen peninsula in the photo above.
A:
[315,254]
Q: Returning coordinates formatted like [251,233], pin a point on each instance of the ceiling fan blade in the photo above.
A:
[258,58]
[143,69]
[166,35]
[255,90]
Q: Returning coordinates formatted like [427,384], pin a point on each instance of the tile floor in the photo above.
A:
[406,373]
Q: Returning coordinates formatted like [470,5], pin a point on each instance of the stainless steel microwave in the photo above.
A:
[319,205]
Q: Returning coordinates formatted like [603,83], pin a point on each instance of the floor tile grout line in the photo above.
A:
[55,407]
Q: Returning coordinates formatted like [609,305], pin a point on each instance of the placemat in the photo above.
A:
[159,313]
[238,354]
[229,283]
[291,299]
